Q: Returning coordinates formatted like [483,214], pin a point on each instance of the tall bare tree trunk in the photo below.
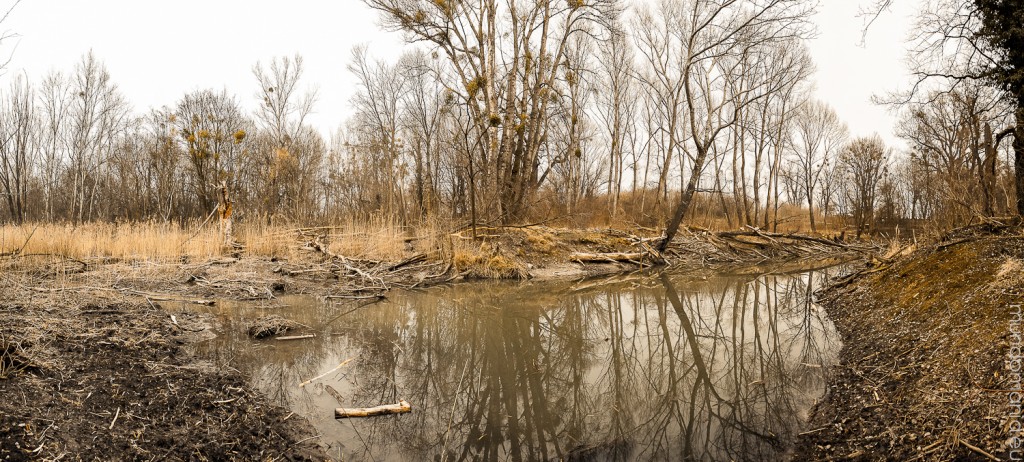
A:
[684,201]
[225,210]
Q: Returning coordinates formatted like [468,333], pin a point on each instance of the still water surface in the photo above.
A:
[657,367]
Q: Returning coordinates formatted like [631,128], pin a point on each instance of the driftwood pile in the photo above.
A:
[644,254]
[755,245]
[267,326]
[750,245]
[373,276]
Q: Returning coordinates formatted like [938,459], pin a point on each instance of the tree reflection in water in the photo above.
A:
[644,368]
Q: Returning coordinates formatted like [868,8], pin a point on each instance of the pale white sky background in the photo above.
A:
[158,51]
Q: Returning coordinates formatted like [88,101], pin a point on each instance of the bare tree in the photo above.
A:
[163,156]
[283,110]
[291,152]
[97,115]
[571,132]
[506,57]
[55,104]
[829,181]
[7,35]
[377,128]
[616,107]
[790,66]
[817,137]
[18,146]
[718,38]
[663,49]
[211,129]
[958,43]
[865,162]
[953,143]
[425,113]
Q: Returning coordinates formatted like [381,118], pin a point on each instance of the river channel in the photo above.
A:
[721,366]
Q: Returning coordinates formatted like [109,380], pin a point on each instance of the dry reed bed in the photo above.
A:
[169,242]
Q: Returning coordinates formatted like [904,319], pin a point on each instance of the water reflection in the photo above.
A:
[723,368]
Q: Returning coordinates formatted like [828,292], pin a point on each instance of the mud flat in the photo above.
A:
[924,372]
[86,378]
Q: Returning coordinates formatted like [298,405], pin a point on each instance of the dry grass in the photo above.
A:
[376,239]
[486,261]
[541,241]
[379,240]
[140,241]
[645,209]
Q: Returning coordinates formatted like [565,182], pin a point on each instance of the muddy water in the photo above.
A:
[724,367]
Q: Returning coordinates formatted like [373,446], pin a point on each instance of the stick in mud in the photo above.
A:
[401,408]
[334,393]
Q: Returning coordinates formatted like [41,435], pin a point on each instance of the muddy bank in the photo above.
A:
[314,266]
[94,379]
[923,373]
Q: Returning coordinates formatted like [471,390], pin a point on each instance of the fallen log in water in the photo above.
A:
[401,408]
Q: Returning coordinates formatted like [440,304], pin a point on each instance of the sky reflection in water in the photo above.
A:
[631,368]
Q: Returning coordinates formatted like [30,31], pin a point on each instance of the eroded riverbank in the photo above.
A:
[925,370]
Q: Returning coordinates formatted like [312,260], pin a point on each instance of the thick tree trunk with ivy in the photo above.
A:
[1018,155]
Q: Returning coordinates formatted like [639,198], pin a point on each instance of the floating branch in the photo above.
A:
[296,337]
[401,408]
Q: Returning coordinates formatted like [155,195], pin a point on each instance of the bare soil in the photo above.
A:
[923,373]
[93,367]
[97,379]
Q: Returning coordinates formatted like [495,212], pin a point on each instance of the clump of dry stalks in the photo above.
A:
[13,356]
[270,325]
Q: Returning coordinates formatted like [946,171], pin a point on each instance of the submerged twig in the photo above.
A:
[339,366]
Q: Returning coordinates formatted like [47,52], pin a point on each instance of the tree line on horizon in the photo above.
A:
[593,111]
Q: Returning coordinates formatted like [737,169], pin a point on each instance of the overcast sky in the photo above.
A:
[158,51]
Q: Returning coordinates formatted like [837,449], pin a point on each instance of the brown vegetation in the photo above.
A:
[266,326]
[676,119]
[582,116]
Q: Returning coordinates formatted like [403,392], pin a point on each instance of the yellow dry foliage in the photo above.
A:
[138,241]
